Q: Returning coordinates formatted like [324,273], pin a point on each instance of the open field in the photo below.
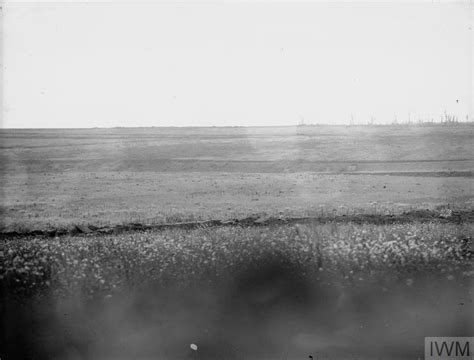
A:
[382,260]
[61,177]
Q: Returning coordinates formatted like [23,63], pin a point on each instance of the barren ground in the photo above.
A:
[61,177]
[283,290]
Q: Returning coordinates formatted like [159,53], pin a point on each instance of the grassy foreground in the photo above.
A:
[102,265]
[277,292]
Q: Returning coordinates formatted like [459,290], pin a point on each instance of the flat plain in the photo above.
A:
[284,290]
[58,177]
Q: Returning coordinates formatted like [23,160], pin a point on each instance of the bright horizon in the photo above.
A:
[116,64]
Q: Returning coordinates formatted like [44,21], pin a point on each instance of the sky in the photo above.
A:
[233,63]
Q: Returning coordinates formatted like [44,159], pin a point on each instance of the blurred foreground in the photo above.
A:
[282,292]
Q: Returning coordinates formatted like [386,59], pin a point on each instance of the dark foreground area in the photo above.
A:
[330,291]
[268,313]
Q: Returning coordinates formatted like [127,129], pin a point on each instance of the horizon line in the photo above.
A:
[425,123]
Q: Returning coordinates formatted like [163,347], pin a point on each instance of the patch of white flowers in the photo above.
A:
[102,265]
